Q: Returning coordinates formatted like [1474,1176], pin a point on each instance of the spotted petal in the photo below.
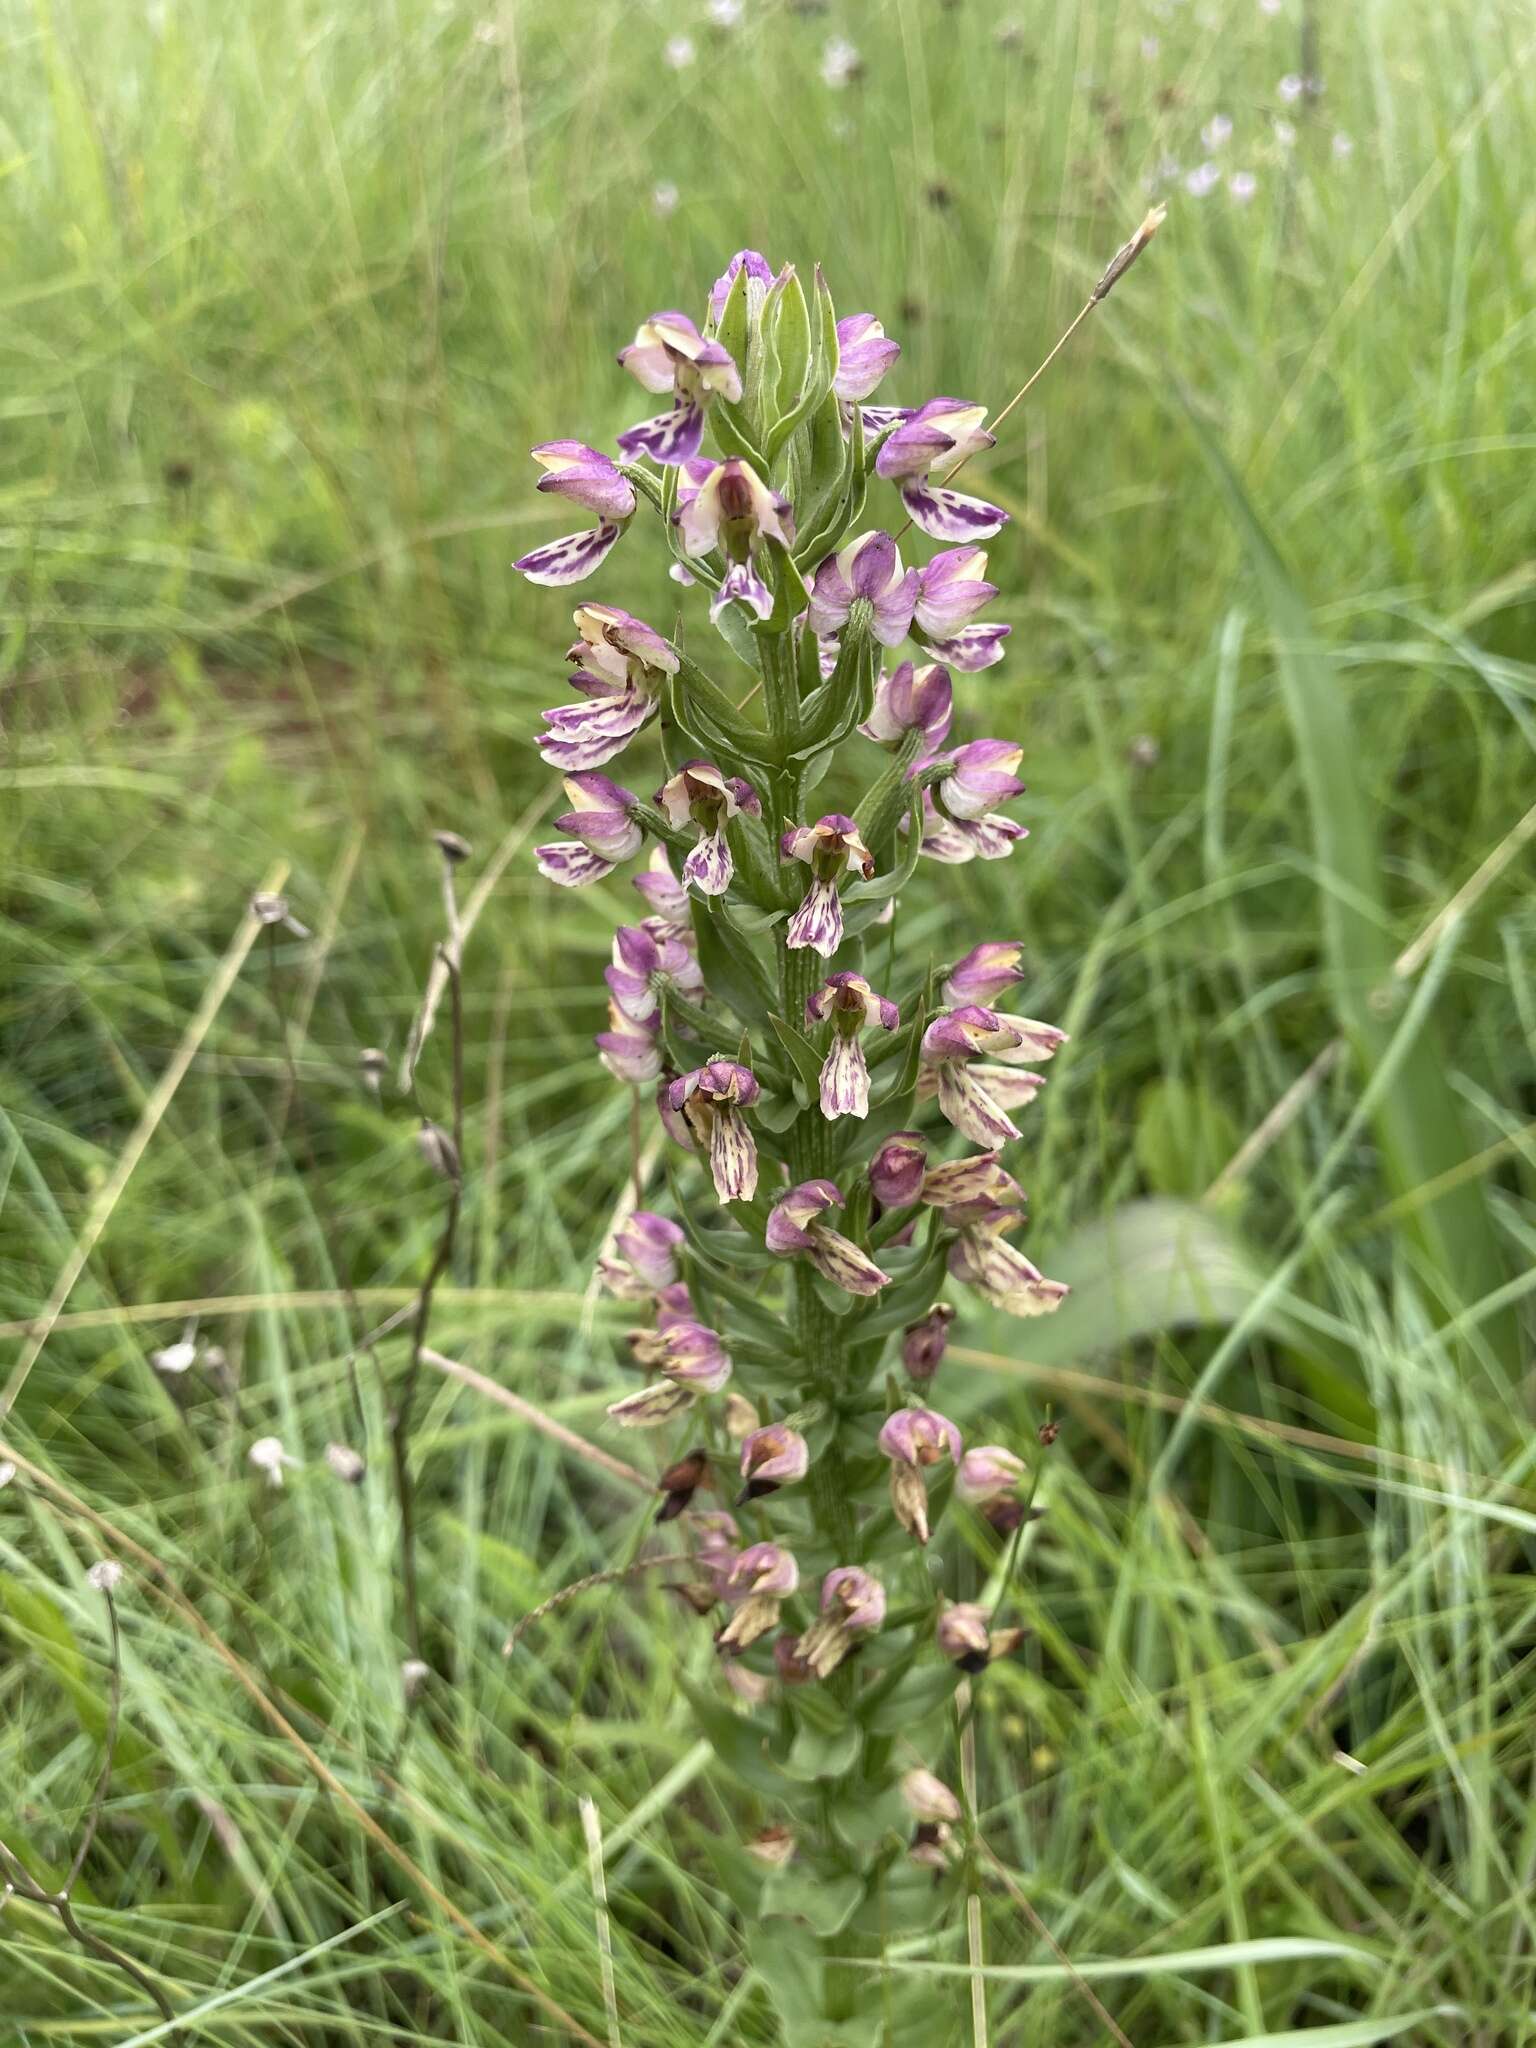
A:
[571,560]
[951,515]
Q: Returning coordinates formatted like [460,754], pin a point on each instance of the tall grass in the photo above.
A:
[287,293]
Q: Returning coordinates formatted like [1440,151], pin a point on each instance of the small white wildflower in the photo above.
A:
[664,199]
[1291,87]
[267,908]
[414,1673]
[1242,185]
[7,1473]
[840,63]
[681,573]
[1343,146]
[1217,130]
[175,1358]
[106,1576]
[679,53]
[1285,134]
[346,1463]
[269,1457]
[1202,179]
[726,13]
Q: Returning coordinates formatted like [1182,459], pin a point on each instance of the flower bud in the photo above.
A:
[986,1471]
[270,1459]
[174,1359]
[414,1673]
[760,1579]
[452,847]
[896,1171]
[924,1343]
[985,972]
[967,1638]
[928,1798]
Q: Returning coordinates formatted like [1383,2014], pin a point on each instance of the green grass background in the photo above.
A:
[287,291]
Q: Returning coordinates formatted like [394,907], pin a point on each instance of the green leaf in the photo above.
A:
[825,1904]
[787,316]
[1228,1955]
[732,971]
[741,1743]
[913,1698]
[825,1752]
[800,1049]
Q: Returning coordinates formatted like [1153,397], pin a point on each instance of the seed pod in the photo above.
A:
[452,847]
[680,1482]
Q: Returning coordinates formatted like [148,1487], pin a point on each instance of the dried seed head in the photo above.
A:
[1048,1432]
[438,1150]
[268,908]
[346,1463]
[414,1673]
[106,1576]
[174,1359]
[1127,253]
[269,1457]
[452,847]
[680,1482]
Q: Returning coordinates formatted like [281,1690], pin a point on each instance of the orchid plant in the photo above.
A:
[848,1101]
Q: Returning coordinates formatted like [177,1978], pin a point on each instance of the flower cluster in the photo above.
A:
[851,1113]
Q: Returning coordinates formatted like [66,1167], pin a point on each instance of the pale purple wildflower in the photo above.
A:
[794,1225]
[718,1092]
[727,505]
[759,277]
[668,353]
[602,819]
[914,1439]
[1204,178]
[589,478]
[621,663]
[771,1457]
[628,1050]
[699,794]
[940,435]
[924,1343]
[852,1605]
[1217,132]
[986,1471]
[955,1039]
[983,775]
[1242,185]
[864,354]
[841,63]
[761,1578]
[952,589]
[869,566]
[912,700]
[829,848]
[985,972]
[850,1003]
[896,1171]
[691,1354]
[648,958]
[982,1256]
[643,1258]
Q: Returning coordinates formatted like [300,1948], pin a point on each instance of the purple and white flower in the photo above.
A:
[829,848]
[982,1256]
[971,649]
[985,972]
[727,505]
[699,794]
[668,353]
[952,589]
[645,961]
[955,1039]
[602,818]
[630,1051]
[760,1579]
[794,1225]
[915,1439]
[965,1635]
[852,1605]
[957,840]
[864,354]
[643,1258]
[716,1094]
[621,663]
[986,1471]
[665,896]
[940,435]
[868,567]
[966,1188]
[912,699]
[896,1171]
[982,775]
[589,478]
[771,1457]
[850,1003]
[691,1354]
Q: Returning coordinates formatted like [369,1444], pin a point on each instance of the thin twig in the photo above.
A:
[577,1587]
[546,1425]
[159,1101]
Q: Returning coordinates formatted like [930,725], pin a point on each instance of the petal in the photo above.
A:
[671,437]
[732,1157]
[570,560]
[951,515]
[845,1080]
[972,648]
[709,866]
[841,1261]
[818,922]
[570,864]
[970,1108]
